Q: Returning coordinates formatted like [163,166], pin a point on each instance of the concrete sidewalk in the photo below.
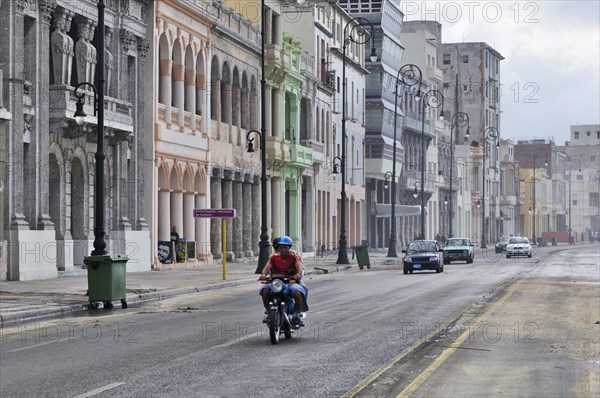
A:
[24,301]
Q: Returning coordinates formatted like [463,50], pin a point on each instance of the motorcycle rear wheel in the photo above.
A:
[274,326]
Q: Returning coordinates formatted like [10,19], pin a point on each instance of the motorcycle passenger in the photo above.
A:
[286,262]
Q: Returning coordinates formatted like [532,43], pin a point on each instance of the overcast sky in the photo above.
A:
[550,78]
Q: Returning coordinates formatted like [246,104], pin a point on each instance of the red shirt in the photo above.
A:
[281,264]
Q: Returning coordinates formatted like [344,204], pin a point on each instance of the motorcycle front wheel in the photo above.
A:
[274,325]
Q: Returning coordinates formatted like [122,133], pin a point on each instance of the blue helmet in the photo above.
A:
[275,243]
[285,241]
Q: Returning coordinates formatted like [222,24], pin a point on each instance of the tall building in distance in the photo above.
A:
[472,85]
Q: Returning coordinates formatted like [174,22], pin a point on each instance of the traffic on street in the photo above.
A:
[496,327]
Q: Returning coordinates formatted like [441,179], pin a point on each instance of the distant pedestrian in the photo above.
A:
[174,235]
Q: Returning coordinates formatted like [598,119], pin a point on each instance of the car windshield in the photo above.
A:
[457,242]
[421,247]
[518,240]
[503,239]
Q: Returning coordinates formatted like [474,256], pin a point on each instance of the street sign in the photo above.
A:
[214,213]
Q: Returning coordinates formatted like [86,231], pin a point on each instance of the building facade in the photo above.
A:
[180,172]
[473,84]
[48,49]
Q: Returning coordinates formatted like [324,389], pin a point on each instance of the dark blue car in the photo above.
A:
[423,255]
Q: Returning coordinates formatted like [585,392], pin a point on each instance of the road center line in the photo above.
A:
[99,390]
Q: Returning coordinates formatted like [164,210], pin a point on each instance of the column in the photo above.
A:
[166,66]
[41,138]
[256,213]
[164,215]
[201,225]
[247,228]
[190,96]
[237,238]
[201,103]
[189,225]
[215,223]
[276,206]
[215,107]
[227,199]
[276,120]
[178,92]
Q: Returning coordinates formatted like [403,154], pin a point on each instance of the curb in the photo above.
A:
[32,315]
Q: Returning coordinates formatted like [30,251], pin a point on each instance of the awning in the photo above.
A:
[385,210]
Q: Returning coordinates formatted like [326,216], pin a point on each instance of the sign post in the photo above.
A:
[223,214]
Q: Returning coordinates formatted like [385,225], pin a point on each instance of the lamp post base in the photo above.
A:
[392,249]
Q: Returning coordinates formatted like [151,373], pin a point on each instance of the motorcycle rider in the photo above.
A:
[286,262]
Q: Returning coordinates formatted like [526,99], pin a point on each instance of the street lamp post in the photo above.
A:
[361,31]
[571,161]
[409,75]
[459,119]
[387,176]
[538,153]
[433,99]
[491,133]
[99,231]
[263,253]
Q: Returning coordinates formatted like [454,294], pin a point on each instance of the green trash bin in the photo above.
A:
[106,280]
[362,256]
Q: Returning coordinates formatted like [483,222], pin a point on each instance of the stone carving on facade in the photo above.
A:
[109,62]
[85,52]
[142,47]
[127,40]
[46,9]
[62,47]
[22,5]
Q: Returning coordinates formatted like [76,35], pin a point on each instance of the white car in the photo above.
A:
[518,246]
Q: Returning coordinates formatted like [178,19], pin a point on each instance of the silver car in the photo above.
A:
[518,246]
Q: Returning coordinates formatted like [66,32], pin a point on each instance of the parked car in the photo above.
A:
[518,246]
[458,249]
[501,244]
[423,255]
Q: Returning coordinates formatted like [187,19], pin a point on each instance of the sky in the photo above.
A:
[550,77]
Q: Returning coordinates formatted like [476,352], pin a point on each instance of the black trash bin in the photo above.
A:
[554,241]
[362,256]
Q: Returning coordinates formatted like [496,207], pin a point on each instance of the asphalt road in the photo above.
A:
[369,333]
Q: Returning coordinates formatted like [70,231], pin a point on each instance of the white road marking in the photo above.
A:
[235,341]
[99,390]
[40,344]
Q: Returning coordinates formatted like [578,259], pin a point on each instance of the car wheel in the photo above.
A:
[529,255]
[405,271]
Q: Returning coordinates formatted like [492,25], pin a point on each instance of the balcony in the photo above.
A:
[117,113]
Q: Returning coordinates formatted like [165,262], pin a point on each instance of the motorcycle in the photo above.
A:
[280,317]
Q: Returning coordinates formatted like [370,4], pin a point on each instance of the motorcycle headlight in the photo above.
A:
[276,286]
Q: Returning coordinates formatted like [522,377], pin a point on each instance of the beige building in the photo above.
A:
[180,142]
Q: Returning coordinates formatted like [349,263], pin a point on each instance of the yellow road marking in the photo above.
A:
[425,374]
[416,383]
